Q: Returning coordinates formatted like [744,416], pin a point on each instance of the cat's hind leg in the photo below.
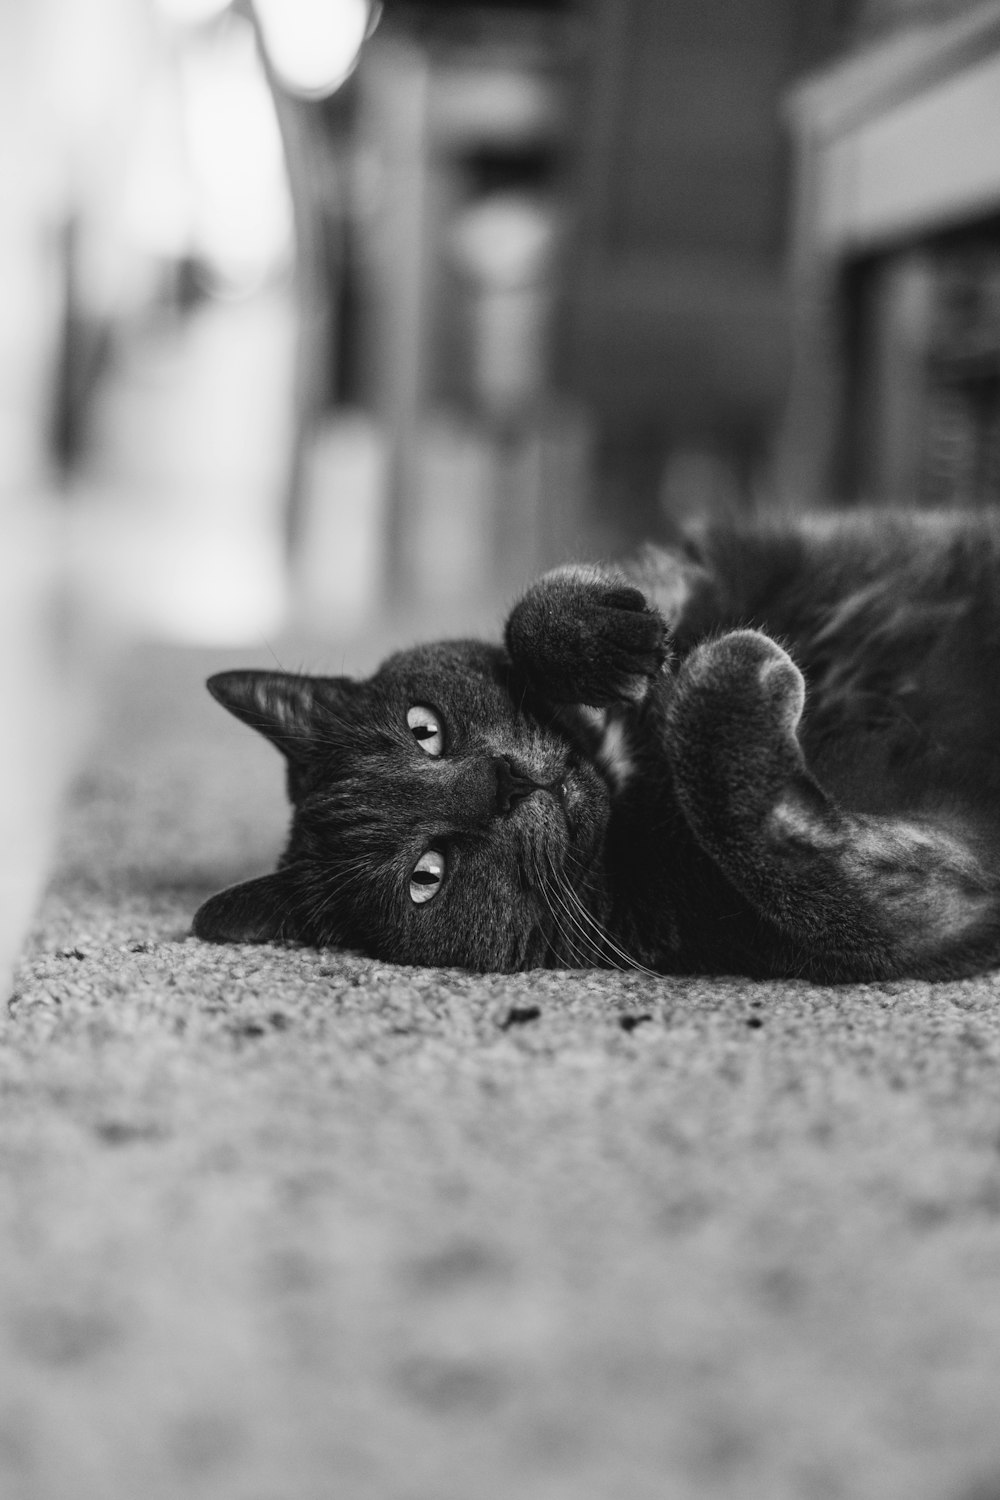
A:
[844,895]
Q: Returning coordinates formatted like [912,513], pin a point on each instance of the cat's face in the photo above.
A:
[436,819]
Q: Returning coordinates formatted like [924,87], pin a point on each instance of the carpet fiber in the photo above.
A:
[278,1224]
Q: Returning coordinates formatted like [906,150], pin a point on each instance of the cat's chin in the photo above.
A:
[568,815]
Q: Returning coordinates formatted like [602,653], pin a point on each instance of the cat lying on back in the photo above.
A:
[777,753]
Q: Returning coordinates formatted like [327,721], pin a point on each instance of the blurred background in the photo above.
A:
[336,321]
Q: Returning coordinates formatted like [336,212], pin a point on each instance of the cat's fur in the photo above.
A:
[777,753]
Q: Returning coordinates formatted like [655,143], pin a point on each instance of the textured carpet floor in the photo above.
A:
[279,1224]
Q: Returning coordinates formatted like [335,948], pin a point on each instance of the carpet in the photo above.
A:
[278,1224]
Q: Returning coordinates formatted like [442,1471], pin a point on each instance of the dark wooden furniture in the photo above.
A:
[896,258]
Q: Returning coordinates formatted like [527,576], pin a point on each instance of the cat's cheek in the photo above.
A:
[488,929]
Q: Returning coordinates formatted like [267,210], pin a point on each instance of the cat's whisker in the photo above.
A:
[602,951]
[569,946]
[604,940]
[559,943]
[587,955]
[558,889]
[544,929]
[628,962]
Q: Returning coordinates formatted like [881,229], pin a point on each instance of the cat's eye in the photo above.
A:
[425,726]
[426,876]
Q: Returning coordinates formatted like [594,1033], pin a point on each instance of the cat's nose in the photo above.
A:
[512,785]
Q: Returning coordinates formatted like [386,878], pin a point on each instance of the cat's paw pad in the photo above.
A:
[586,634]
[749,668]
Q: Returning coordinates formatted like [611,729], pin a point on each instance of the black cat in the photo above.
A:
[776,753]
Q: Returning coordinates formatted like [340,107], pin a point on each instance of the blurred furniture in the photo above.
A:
[674,322]
[443,118]
[896,263]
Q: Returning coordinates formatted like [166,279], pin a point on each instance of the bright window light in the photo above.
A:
[312,45]
[208,176]
[242,216]
[192,12]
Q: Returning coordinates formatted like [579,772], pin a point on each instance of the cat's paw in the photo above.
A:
[586,635]
[749,679]
[739,773]
[732,723]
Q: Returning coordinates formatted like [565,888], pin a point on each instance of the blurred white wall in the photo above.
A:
[71,73]
[133,141]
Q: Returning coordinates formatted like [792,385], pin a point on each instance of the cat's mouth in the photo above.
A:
[569,794]
[572,805]
[562,793]
[581,795]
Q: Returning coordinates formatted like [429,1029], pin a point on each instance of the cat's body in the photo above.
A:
[640,776]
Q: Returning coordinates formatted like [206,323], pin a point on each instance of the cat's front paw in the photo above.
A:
[733,722]
[747,679]
[586,635]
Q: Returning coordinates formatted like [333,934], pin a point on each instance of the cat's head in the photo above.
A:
[437,819]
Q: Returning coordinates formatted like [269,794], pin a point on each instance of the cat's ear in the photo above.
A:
[282,706]
[257,911]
